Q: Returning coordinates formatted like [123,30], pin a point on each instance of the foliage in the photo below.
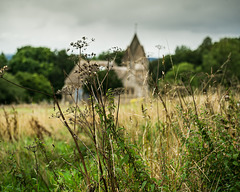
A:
[41,60]
[10,93]
[164,65]
[37,82]
[179,69]
[184,73]
[205,47]
[185,54]
[182,54]
[62,66]
[214,59]
[32,60]
[3,60]
[213,151]
[221,59]
[110,55]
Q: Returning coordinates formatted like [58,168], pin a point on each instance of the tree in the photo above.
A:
[106,55]
[183,72]
[214,59]
[32,60]
[165,65]
[182,54]
[3,60]
[11,93]
[42,61]
[62,64]
[36,82]
[205,46]
[185,54]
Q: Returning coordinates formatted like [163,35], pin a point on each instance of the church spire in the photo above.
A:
[135,28]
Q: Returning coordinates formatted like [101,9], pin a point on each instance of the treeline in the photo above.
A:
[41,69]
[220,60]
[37,68]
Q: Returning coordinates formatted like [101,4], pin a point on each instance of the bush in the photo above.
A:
[37,82]
[10,93]
[183,72]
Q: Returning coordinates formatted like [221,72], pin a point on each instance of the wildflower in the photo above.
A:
[238,103]
[3,70]
[227,97]
[66,90]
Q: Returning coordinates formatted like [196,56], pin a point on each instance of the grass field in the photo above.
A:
[172,143]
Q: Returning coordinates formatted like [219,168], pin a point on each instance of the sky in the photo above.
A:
[169,23]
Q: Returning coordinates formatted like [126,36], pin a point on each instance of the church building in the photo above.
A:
[133,72]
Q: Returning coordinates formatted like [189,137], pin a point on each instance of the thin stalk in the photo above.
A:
[27,88]
[194,101]
[75,140]
[36,168]
[116,123]
[96,143]
[157,85]
[107,159]
[8,125]
[75,112]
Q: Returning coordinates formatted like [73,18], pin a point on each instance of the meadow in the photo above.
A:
[183,137]
[168,142]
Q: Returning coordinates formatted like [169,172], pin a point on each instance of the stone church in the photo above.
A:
[133,72]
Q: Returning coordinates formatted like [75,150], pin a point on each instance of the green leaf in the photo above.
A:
[235,156]
[126,158]
[152,187]
[143,185]
[131,171]
[235,163]
[118,170]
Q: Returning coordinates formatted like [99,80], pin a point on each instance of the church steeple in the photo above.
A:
[135,29]
[134,51]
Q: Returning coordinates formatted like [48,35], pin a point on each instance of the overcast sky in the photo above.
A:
[170,23]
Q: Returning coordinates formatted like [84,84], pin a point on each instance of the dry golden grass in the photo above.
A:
[25,113]
[132,115]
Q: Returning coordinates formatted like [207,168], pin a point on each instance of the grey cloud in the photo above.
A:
[27,19]
[171,14]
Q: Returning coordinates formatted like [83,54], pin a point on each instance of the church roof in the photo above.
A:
[74,78]
[134,52]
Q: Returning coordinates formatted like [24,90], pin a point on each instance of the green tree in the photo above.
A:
[3,60]
[165,65]
[214,59]
[32,60]
[106,55]
[182,54]
[205,46]
[62,64]
[185,54]
[41,60]
[183,72]
[10,93]
[37,82]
